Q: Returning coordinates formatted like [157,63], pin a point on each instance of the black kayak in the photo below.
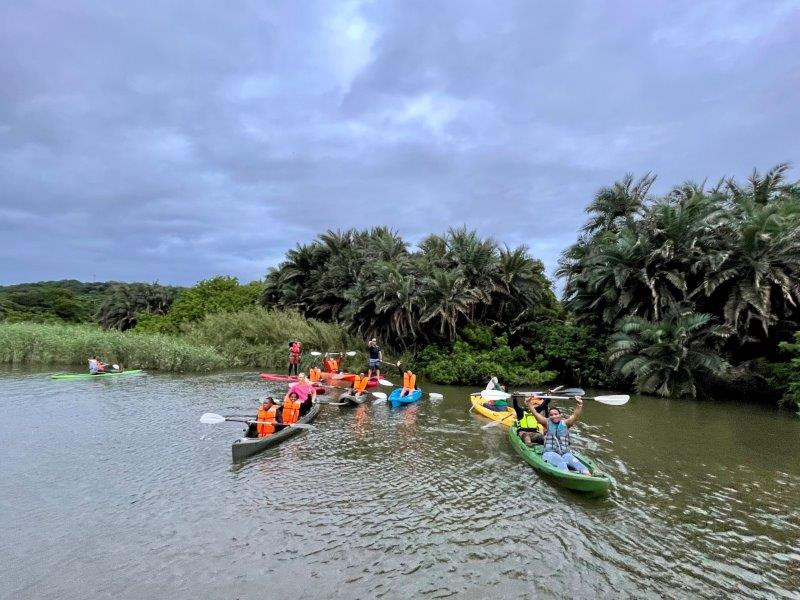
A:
[244,447]
[354,398]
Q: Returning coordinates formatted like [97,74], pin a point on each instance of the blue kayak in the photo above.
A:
[398,400]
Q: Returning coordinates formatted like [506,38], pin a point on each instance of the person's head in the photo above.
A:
[268,402]
[555,414]
[293,396]
[301,377]
[361,374]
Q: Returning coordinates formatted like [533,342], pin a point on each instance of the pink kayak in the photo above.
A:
[288,379]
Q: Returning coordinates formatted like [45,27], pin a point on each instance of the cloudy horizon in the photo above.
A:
[181,141]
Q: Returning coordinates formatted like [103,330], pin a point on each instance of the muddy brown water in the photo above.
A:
[113,489]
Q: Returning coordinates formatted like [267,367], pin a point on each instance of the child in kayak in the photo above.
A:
[557,447]
[409,383]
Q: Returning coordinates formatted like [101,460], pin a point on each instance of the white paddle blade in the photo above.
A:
[435,396]
[613,400]
[379,395]
[115,367]
[494,395]
[385,382]
[350,353]
[212,419]
[492,424]
[315,353]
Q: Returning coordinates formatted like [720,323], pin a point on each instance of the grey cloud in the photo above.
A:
[181,140]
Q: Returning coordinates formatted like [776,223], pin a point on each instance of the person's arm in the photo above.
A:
[539,417]
[544,407]
[380,355]
[577,412]
[517,408]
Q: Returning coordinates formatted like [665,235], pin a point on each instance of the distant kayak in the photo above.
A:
[354,398]
[598,482]
[91,376]
[397,400]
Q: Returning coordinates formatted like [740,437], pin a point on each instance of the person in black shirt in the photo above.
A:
[529,431]
[375,357]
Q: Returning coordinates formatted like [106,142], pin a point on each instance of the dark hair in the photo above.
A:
[555,408]
[295,394]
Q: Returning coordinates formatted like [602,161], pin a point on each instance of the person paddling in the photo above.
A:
[266,420]
[93,365]
[557,447]
[409,383]
[499,404]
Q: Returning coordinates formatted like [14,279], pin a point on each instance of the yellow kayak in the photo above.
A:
[507,416]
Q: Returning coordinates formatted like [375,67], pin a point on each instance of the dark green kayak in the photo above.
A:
[90,376]
[598,482]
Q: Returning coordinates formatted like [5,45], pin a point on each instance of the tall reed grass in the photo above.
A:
[259,337]
[40,344]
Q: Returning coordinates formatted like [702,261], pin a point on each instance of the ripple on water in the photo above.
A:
[129,496]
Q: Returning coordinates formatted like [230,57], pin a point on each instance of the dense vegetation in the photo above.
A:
[689,285]
[66,301]
[692,293]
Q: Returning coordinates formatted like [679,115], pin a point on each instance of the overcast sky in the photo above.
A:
[173,141]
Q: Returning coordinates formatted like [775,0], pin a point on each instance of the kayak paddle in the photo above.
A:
[380,397]
[215,419]
[435,395]
[610,400]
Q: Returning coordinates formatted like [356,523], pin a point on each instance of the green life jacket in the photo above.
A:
[528,421]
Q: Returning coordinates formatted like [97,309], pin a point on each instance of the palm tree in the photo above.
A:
[617,205]
[447,301]
[668,357]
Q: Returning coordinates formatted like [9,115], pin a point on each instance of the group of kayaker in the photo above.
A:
[273,417]
[540,423]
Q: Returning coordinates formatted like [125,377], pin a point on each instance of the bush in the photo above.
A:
[34,343]
[476,357]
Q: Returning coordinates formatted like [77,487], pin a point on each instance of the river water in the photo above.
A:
[111,488]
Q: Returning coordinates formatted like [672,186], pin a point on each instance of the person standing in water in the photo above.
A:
[375,358]
[295,354]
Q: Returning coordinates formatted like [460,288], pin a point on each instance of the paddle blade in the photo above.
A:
[350,353]
[315,353]
[379,395]
[571,392]
[212,419]
[385,382]
[435,396]
[302,426]
[612,400]
[492,424]
[494,395]
[115,367]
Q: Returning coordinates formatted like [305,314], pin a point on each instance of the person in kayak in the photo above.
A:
[306,392]
[295,353]
[360,382]
[314,374]
[93,365]
[291,408]
[331,364]
[266,421]
[557,448]
[499,404]
[375,358]
[409,383]
[530,431]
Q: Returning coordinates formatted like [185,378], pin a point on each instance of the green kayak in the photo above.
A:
[90,376]
[598,482]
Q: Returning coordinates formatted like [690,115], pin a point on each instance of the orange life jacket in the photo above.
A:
[291,410]
[265,429]
[331,365]
[360,384]
[314,374]
[409,380]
